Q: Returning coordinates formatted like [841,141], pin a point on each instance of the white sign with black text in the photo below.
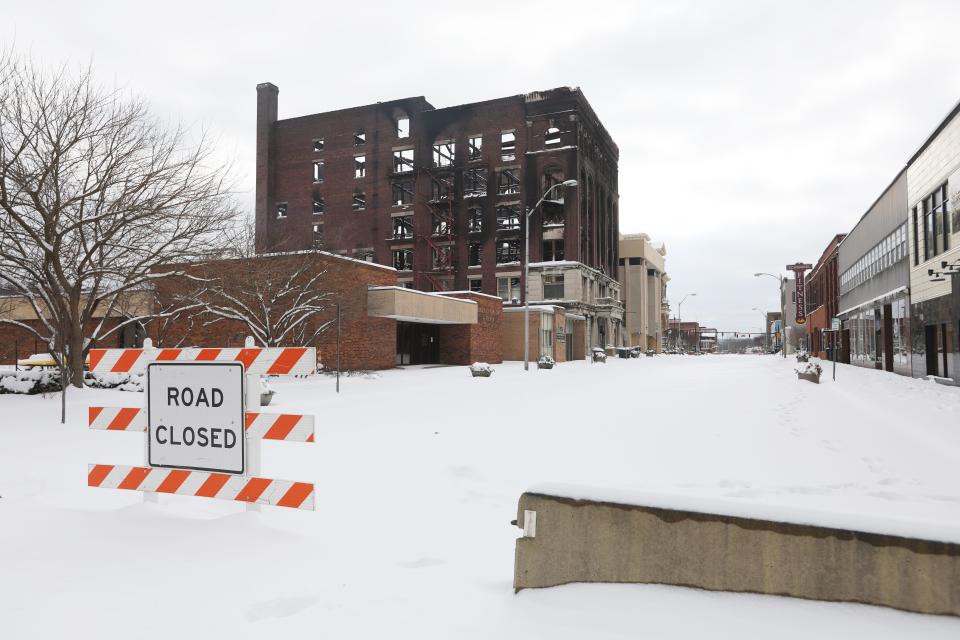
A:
[195,416]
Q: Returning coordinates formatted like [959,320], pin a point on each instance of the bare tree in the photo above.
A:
[97,200]
[280,300]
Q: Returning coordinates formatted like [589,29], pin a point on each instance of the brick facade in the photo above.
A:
[823,299]
[556,135]
[465,344]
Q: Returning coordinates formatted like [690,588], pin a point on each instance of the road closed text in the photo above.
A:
[196,416]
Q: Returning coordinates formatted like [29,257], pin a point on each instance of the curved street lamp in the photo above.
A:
[526,272]
[678,318]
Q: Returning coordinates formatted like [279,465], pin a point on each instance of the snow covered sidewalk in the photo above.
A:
[418,472]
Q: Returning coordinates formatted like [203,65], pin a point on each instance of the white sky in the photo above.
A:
[749,132]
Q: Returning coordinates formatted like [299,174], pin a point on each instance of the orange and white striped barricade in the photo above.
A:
[216,394]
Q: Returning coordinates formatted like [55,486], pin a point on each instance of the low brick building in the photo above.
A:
[823,300]
[553,332]
[382,324]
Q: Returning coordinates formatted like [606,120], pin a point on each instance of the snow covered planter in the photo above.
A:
[266,392]
[599,355]
[809,371]
[803,356]
[480,370]
[546,362]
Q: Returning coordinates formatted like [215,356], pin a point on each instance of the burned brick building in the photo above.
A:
[441,194]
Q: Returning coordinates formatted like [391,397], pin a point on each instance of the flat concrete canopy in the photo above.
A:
[409,305]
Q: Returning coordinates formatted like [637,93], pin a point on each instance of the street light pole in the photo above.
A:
[526,272]
[783,311]
[678,318]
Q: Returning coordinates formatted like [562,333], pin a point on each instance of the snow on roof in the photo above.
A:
[432,294]
[475,293]
[845,519]
[534,307]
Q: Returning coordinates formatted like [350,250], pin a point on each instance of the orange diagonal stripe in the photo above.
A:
[208,354]
[92,413]
[96,355]
[247,356]
[251,418]
[123,419]
[173,481]
[282,427]
[287,359]
[127,359]
[212,485]
[168,354]
[98,474]
[134,478]
[253,489]
[295,495]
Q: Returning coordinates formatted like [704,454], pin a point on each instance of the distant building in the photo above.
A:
[823,300]
[793,338]
[643,278]
[683,335]
[875,285]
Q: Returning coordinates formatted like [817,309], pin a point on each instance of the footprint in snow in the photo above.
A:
[422,562]
[280,607]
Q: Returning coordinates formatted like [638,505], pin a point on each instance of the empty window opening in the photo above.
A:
[474,220]
[476,284]
[441,224]
[508,217]
[441,257]
[508,289]
[474,183]
[318,170]
[508,251]
[359,201]
[318,236]
[403,127]
[552,137]
[441,188]
[359,138]
[552,250]
[282,210]
[508,146]
[474,148]
[317,203]
[443,153]
[403,161]
[553,286]
[509,182]
[359,166]
[474,254]
[318,144]
[402,192]
[403,259]
[402,227]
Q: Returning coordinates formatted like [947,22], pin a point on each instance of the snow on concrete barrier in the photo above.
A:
[256,360]
[580,537]
[277,493]
[289,427]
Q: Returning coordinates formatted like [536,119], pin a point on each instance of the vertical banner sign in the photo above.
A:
[798,271]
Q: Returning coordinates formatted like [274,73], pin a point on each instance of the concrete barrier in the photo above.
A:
[568,540]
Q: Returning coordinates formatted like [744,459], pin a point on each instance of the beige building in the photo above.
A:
[643,277]
[582,292]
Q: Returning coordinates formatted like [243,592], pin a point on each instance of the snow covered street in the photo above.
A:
[418,472]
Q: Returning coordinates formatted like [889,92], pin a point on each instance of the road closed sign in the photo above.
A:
[195,416]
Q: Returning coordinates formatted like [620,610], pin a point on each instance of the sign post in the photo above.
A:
[835,325]
[203,423]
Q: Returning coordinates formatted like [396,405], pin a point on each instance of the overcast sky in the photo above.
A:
[749,132]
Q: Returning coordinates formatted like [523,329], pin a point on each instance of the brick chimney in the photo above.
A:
[266,117]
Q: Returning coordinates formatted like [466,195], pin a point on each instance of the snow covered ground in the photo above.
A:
[418,473]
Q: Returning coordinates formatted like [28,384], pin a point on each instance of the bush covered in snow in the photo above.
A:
[546,362]
[121,381]
[30,382]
